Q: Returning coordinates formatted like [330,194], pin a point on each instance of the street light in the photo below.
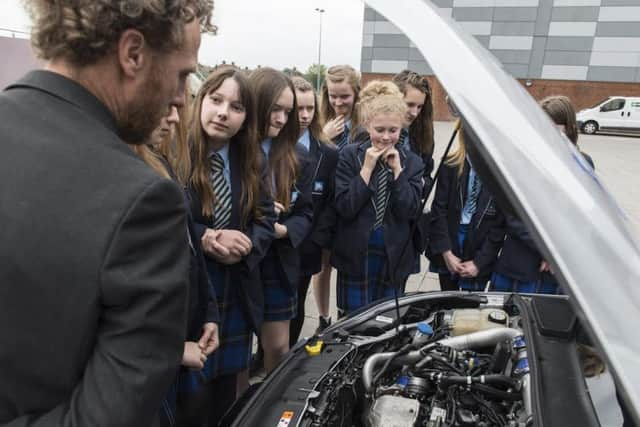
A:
[320,12]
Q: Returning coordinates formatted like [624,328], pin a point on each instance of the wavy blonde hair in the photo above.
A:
[380,97]
[83,31]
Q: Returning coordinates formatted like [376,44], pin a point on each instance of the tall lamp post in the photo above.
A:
[320,12]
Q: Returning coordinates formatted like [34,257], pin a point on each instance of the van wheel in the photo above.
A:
[590,127]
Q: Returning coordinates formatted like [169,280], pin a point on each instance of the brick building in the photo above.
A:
[585,49]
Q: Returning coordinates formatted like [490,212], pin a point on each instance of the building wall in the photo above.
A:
[20,59]
[595,40]
[539,89]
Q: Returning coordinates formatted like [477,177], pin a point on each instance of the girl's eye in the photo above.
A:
[237,107]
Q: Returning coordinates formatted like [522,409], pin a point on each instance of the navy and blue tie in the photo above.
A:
[222,208]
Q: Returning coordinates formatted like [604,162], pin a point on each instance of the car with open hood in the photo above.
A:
[485,359]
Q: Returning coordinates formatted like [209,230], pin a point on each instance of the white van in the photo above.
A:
[615,114]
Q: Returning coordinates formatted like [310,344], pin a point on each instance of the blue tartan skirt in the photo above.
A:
[476,284]
[354,290]
[502,283]
[234,331]
[280,297]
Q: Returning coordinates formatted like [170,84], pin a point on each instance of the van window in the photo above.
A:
[613,105]
[635,105]
[598,103]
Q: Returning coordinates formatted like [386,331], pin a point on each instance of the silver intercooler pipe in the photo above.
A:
[485,338]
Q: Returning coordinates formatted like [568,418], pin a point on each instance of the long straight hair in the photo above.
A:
[561,112]
[339,74]
[151,158]
[421,130]
[315,129]
[246,141]
[268,84]
[178,152]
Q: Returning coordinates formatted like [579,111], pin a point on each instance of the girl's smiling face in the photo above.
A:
[384,129]
[341,97]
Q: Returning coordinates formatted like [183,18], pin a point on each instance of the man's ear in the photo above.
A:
[133,52]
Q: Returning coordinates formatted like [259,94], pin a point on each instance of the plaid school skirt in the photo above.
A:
[476,284]
[355,291]
[280,297]
[502,283]
[234,331]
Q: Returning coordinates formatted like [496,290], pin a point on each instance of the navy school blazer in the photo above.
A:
[356,213]
[298,220]
[519,258]
[487,227]
[244,274]
[323,160]
[202,302]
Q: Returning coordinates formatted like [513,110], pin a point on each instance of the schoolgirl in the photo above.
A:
[235,221]
[289,176]
[323,157]
[378,190]
[563,115]
[417,132]
[339,96]
[417,136]
[466,229]
[202,313]
[520,267]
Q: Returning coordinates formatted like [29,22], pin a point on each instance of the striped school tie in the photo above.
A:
[382,193]
[343,139]
[222,208]
[472,201]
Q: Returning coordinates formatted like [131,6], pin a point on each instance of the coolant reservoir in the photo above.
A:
[465,321]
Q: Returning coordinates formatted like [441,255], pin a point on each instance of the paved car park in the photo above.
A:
[617,161]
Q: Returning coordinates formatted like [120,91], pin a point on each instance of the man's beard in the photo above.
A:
[145,112]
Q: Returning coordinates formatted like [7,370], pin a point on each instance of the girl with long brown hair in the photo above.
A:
[234,217]
[323,157]
[289,183]
[417,132]
[520,266]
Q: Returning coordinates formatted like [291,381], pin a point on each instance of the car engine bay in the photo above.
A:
[465,367]
[438,359]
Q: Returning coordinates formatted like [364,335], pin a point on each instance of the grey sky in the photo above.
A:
[277,33]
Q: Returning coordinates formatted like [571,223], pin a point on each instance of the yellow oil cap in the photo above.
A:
[314,349]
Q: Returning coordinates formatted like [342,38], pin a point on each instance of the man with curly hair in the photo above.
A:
[93,243]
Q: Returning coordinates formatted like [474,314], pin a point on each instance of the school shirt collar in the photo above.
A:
[266,147]
[305,139]
[224,153]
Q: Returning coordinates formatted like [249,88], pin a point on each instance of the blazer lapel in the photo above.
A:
[236,185]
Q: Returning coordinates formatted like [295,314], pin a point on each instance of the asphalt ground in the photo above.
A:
[617,162]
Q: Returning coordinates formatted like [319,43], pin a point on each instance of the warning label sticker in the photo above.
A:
[285,419]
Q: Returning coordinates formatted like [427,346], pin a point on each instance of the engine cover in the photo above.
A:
[393,411]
